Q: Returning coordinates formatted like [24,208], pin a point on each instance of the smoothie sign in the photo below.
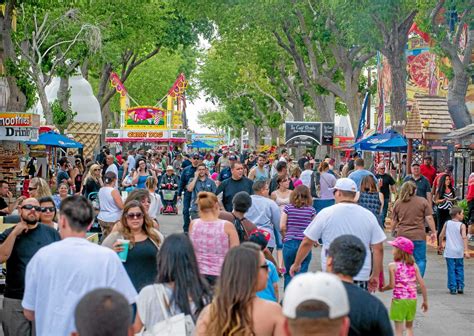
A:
[18,126]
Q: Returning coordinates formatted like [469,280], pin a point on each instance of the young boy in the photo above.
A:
[261,238]
[455,249]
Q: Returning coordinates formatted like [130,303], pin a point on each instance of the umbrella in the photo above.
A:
[200,144]
[55,140]
[390,141]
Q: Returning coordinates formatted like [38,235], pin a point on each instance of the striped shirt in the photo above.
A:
[298,220]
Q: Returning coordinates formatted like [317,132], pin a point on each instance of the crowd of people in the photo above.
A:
[248,219]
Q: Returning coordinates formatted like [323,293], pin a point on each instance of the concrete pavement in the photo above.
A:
[447,314]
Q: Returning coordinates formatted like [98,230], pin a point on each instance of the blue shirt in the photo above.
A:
[358,175]
[186,175]
[225,174]
[265,214]
[269,292]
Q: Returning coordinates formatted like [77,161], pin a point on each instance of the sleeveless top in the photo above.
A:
[281,201]
[141,181]
[261,175]
[78,182]
[446,205]
[109,211]
[405,281]
[370,201]
[211,244]
[454,243]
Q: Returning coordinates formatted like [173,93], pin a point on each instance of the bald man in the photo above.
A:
[112,167]
[18,245]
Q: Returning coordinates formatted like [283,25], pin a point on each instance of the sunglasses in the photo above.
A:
[32,188]
[134,215]
[48,209]
[31,207]
[265,267]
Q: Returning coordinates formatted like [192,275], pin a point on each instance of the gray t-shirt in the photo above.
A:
[206,185]
[422,185]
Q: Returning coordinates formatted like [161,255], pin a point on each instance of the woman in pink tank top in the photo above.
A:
[211,236]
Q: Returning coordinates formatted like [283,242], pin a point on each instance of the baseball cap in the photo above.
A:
[196,156]
[381,165]
[345,184]
[233,157]
[260,237]
[169,168]
[320,286]
[413,164]
[404,244]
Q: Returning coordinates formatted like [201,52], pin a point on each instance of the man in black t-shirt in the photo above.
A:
[5,192]
[368,316]
[237,182]
[386,184]
[18,245]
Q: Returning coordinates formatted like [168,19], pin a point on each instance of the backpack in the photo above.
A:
[239,227]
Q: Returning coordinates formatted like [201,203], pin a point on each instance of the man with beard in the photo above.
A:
[18,245]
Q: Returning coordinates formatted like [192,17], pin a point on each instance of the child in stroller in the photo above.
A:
[168,191]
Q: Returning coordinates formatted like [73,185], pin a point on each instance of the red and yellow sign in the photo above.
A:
[13,119]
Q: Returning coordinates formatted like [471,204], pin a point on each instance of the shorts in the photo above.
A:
[403,310]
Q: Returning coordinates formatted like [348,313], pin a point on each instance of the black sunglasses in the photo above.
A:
[46,209]
[32,188]
[31,207]
[265,267]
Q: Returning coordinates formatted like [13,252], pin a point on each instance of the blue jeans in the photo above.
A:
[419,254]
[290,248]
[384,212]
[320,204]
[186,206]
[455,273]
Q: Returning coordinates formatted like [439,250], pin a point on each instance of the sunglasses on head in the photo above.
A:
[48,209]
[134,215]
[31,207]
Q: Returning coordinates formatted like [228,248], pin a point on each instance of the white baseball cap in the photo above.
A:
[345,184]
[320,286]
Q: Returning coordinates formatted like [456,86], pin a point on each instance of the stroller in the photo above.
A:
[95,228]
[169,196]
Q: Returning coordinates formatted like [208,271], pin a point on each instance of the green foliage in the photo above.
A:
[62,118]
[463,204]
[23,81]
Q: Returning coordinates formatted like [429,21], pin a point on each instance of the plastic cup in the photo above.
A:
[124,253]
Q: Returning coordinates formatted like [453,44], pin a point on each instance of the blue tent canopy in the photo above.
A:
[390,141]
[200,144]
[55,140]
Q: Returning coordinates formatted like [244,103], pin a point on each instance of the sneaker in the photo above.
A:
[461,291]
[453,292]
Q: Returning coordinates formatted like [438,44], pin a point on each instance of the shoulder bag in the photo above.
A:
[178,324]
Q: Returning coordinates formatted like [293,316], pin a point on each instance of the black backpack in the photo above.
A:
[239,227]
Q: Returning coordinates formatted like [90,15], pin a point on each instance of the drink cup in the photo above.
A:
[125,245]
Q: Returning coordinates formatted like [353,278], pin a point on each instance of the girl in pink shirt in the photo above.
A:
[404,276]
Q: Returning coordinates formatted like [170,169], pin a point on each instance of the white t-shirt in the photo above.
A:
[113,168]
[60,274]
[346,218]
[155,205]
[306,177]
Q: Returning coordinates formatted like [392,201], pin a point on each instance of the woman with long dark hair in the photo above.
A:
[144,242]
[178,277]
[444,199]
[235,309]
[141,174]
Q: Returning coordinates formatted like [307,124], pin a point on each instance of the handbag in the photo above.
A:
[175,325]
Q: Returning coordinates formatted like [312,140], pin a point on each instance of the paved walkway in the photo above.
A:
[447,314]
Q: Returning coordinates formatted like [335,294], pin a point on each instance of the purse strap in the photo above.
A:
[160,293]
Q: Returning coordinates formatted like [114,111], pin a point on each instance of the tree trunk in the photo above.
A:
[252,134]
[275,133]
[17,100]
[63,94]
[105,121]
[398,96]
[457,90]
[40,88]
[354,105]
